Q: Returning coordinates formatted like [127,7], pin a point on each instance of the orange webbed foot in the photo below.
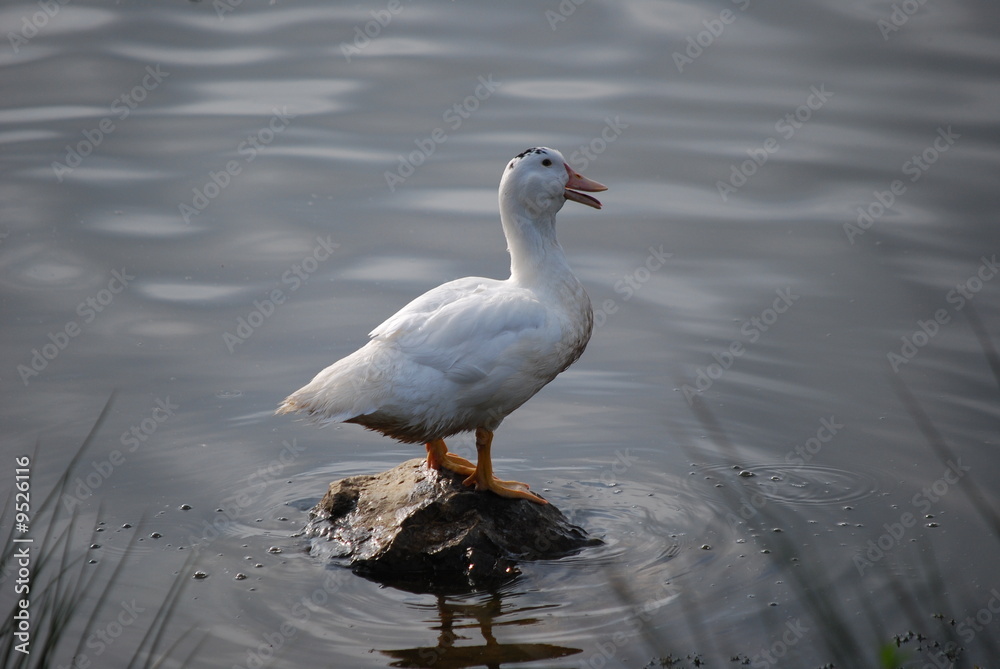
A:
[510,489]
[438,457]
[483,479]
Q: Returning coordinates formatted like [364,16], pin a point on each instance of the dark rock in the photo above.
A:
[413,523]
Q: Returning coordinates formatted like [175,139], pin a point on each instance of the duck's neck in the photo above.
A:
[536,258]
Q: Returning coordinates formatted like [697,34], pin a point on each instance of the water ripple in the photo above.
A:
[191,293]
[800,484]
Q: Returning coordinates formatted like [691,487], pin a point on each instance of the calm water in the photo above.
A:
[206,203]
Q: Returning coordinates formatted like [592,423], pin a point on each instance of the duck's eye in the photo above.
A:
[547,162]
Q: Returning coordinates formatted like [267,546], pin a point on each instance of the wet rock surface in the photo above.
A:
[412,523]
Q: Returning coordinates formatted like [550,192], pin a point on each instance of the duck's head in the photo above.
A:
[540,181]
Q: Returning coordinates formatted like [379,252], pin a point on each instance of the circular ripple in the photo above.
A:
[798,484]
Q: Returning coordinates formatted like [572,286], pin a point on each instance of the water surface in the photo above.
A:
[206,203]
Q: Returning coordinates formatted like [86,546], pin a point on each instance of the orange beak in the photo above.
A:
[579,182]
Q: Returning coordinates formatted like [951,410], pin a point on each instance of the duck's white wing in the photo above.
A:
[463,328]
[475,334]
[415,313]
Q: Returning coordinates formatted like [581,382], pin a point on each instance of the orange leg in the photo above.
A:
[484,479]
[438,457]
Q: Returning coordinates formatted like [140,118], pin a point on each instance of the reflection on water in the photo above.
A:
[464,623]
[251,136]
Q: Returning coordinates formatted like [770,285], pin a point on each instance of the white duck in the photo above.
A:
[466,354]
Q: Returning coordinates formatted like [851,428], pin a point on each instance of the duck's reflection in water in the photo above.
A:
[459,626]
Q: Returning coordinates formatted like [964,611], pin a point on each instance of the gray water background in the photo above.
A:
[205,203]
